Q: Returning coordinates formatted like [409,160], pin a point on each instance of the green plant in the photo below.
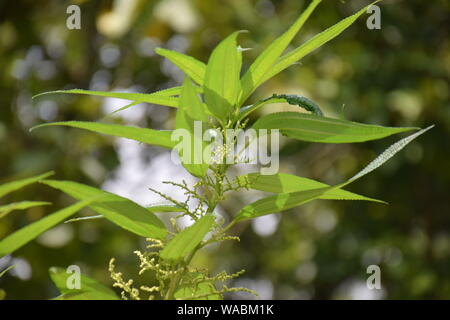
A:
[223,93]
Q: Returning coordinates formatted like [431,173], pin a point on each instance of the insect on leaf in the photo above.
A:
[190,112]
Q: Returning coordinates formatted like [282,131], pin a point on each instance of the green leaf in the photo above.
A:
[254,76]
[312,44]
[21,237]
[190,102]
[121,211]
[2,273]
[84,218]
[89,288]
[165,207]
[187,240]
[284,201]
[279,202]
[149,136]
[121,109]
[189,65]
[222,86]
[18,184]
[191,109]
[308,127]
[196,290]
[287,183]
[159,97]
[22,205]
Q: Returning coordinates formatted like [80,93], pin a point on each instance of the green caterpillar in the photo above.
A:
[300,101]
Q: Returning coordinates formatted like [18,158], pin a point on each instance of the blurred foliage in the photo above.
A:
[398,75]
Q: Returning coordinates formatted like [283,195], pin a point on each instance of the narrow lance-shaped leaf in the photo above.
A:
[309,127]
[187,240]
[170,92]
[22,205]
[159,97]
[4,271]
[192,67]
[28,233]
[288,183]
[312,44]
[165,207]
[121,211]
[286,201]
[190,115]
[265,61]
[84,218]
[148,136]
[17,184]
[222,86]
[89,289]
[174,91]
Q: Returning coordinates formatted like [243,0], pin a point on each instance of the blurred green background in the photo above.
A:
[397,76]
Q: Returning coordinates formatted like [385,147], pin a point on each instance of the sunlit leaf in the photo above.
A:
[159,97]
[84,218]
[22,205]
[194,68]
[4,271]
[201,290]
[222,86]
[149,136]
[190,110]
[284,201]
[165,207]
[312,44]
[21,237]
[254,76]
[121,211]
[187,240]
[287,183]
[89,289]
[308,127]
[17,184]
